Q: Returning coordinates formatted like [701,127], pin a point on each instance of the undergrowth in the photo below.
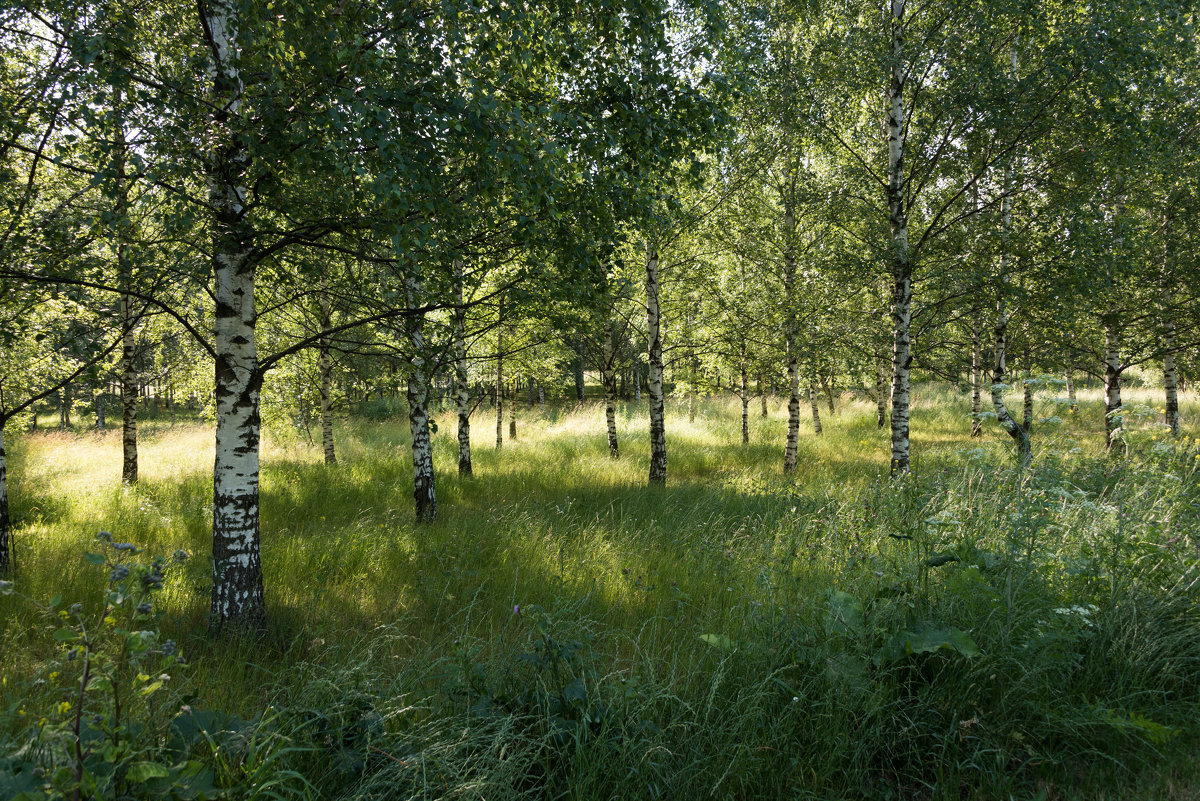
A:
[564,632]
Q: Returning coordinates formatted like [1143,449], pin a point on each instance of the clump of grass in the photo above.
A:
[564,630]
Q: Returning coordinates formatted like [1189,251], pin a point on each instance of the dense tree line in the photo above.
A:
[285,211]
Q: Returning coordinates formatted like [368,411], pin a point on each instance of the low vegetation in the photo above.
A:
[562,631]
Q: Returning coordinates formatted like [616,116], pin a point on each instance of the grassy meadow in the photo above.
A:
[565,632]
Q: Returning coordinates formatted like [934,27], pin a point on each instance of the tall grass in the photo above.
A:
[565,631]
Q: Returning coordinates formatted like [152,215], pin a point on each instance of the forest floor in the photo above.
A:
[563,631]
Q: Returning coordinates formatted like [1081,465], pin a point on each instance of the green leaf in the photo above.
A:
[66,635]
[719,641]
[145,771]
[844,614]
[94,558]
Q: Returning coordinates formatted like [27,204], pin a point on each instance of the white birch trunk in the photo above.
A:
[1019,435]
[512,410]
[128,322]
[462,389]
[762,396]
[976,377]
[237,589]
[1074,404]
[816,409]
[1027,412]
[424,493]
[1170,374]
[325,369]
[900,256]
[745,379]
[790,344]
[610,390]
[1113,421]
[654,382]
[500,381]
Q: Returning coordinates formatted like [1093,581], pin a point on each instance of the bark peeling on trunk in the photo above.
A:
[609,379]
[901,262]
[237,589]
[654,381]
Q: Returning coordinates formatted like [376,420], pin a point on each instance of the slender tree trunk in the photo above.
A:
[610,390]
[462,389]
[237,588]
[6,549]
[1113,419]
[762,396]
[33,425]
[901,259]
[637,383]
[64,408]
[1027,412]
[791,345]
[541,396]
[325,368]
[424,492]
[693,364]
[127,320]
[654,383]
[499,390]
[1000,350]
[1074,404]
[816,409]
[580,390]
[1170,375]
[976,376]
[98,401]
[827,387]
[1000,372]
[882,385]
[512,411]
[745,394]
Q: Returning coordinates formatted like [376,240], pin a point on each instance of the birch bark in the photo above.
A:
[499,390]
[1113,422]
[745,379]
[424,494]
[654,382]
[1170,374]
[790,343]
[816,409]
[462,389]
[976,376]
[128,321]
[237,589]
[325,369]
[1074,404]
[900,256]
[610,390]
